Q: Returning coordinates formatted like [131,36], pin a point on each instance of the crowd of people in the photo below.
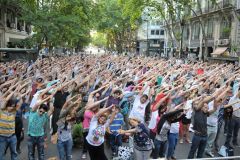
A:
[150,101]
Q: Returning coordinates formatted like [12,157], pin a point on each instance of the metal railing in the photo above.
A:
[215,158]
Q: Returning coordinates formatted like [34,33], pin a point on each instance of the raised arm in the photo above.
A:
[102,111]
[5,100]
[35,107]
[90,106]
[94,92]
[154,108]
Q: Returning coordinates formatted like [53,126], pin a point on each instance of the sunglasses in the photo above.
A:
[42,112]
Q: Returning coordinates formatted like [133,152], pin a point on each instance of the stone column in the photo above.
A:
[16,21]
[24,26]
[5,19]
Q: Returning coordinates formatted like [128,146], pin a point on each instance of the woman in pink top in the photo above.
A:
[91,109]
[88,114]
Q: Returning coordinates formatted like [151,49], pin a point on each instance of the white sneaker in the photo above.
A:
[84,156]
[210,154]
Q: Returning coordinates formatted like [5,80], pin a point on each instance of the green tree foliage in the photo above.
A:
[111,20]
[59,22]
[99,39]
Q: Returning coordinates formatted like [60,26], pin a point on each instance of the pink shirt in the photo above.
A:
[87,119]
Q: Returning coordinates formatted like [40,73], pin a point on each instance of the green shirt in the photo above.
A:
[36,124]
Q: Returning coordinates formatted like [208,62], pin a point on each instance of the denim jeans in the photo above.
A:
[232,132]
[65,149]
[34,142]
[218,134]
[212,132]
[115,142]
[12,143]
[141,155]
[159,150]
[198,143]
[172,143]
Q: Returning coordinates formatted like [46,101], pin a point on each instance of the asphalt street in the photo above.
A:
[51,150]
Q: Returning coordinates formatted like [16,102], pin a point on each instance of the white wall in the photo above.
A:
[13,35]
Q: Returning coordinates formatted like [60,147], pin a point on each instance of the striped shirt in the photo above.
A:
[7,123]
[116,123]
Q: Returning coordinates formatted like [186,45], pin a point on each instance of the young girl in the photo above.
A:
[142,143]
[64,131]
[97,130]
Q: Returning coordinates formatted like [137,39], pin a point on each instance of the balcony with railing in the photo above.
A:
[224,4]
[12,21]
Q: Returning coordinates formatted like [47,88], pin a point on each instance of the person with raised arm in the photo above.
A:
[202,111]
[67,118]
[60,95]
[8,109]
[97,130]
[234,121]
[38,117]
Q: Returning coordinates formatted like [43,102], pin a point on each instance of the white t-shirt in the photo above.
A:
[174,128]
[96,132]
[212,120]
[138,110]
[235,106]
[153,120]
[35,99]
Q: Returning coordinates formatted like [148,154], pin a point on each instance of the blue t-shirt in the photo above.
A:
[36,124]
[116,123]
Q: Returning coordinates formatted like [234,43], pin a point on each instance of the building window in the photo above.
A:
[162,32]
[157,32]
[196,30]
[152,32]
[209,28]
[155,41]
[225,28]
[10,16]
[210,5]
[226,3]
[153,23]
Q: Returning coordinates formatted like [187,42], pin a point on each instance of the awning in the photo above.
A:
[219,50]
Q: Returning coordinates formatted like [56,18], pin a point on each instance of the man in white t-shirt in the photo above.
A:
[139,105]
[212,122]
